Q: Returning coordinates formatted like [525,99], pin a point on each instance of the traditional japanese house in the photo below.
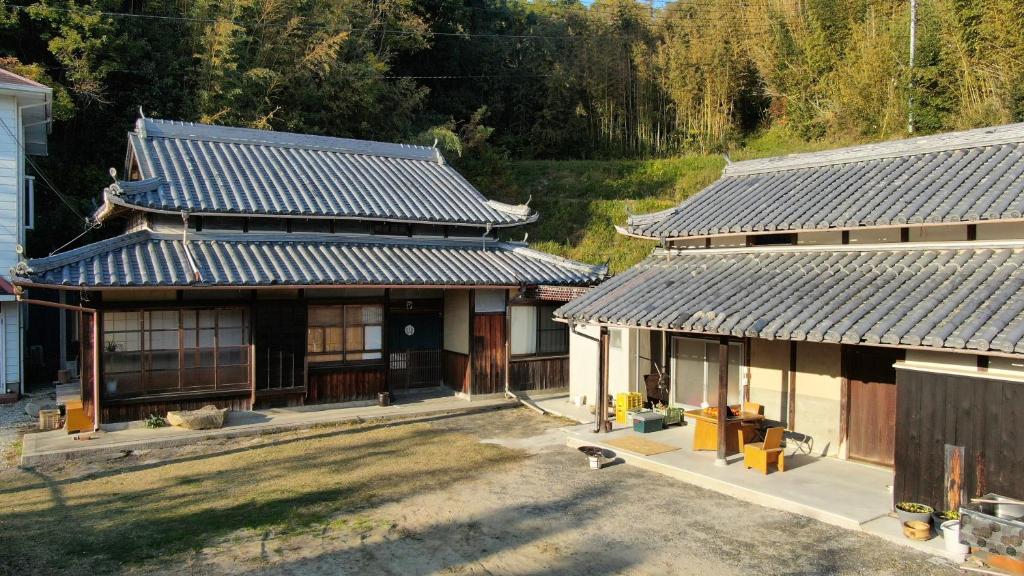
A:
[870,299]
[260,268]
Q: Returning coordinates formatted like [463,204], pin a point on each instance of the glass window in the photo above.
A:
[165,351]
[524,330]
[695,371]
[534,331]
[349,332]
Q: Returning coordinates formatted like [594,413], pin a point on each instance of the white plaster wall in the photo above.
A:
[939,360]
[456,321]
[818,392]
[874,236]
[689,243]
[1000,231]
[952,233]
[820,238]
[769,377]
[1007,366]
[584,359]
[139,295]
[622,360]
[733,241]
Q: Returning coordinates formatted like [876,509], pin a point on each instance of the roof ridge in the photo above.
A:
[160,128]
[942,142]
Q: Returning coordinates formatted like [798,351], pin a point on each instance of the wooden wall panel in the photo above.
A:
[980,414]
[129,411]
[346,384]
[456,371]
[489,353]
[539,373]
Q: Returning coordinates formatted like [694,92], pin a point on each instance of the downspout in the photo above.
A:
[190,259]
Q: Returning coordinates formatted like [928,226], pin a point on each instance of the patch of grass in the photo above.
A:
[581,201]
[94,524]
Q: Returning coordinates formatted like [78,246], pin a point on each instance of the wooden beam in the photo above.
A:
[723,397]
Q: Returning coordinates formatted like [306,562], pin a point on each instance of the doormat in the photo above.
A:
[641,445]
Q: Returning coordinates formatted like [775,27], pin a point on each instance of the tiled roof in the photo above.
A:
[149,259]
[205,169]
[969,176]
[954,296]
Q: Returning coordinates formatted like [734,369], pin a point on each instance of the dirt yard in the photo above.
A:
[494,493]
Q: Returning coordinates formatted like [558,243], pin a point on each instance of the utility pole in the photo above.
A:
[910,91]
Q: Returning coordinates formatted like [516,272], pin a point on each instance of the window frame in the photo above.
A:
[328,358]
[146,374]
[539,330]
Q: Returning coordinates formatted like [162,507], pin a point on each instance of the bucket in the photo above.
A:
[951,539]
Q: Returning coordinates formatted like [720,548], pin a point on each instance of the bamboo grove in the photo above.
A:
[515,78]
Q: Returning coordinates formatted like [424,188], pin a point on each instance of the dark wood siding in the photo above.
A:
[489,353]
[983,415]
[345,384]
[456,371]
[539,373]
[279,338]
[127,411]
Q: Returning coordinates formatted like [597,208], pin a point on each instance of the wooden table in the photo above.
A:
[705,431]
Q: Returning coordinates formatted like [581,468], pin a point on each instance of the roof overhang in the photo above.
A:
[958,297]
[36,106]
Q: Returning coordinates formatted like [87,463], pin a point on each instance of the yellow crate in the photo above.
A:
[625,402]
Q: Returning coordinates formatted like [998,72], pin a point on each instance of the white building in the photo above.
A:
[25,108]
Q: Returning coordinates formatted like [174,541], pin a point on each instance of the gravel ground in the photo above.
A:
[14,422]
[549,514]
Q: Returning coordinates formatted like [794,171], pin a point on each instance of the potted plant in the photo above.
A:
[914,511]
[111,347]
[945,516]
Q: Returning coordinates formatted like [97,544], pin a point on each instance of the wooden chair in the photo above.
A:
[750,431]
[760,454]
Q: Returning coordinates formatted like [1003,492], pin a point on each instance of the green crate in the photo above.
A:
[672,415]
[645,422]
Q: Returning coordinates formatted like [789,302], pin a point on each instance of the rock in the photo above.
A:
[32,409]
[206,418]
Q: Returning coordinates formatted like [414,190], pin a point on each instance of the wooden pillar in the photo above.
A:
[791,393]
[723,397]
[95,371]
[601,404]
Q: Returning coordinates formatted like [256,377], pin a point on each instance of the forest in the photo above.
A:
[506,87]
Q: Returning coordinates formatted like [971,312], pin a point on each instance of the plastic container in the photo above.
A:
[951,539]
[646,422]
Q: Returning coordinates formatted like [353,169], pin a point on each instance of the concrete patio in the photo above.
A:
[842,493]
[57,445]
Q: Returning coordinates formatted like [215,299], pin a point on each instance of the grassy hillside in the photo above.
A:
[581,201]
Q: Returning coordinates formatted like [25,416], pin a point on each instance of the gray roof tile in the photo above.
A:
[967,176]
[956,297]
[149,259]
[205,169]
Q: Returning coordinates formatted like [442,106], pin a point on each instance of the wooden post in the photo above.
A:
[723,397]
[600,406]
[791,393]
[95,371]
[954,480]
